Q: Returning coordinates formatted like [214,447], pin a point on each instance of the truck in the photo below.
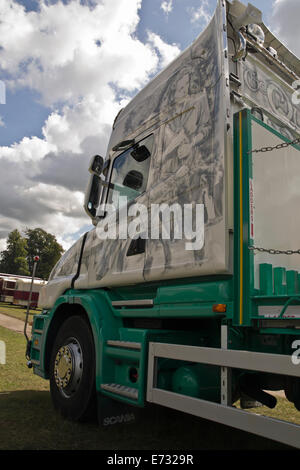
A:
[186,292]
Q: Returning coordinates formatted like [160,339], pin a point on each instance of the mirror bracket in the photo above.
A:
[96,165]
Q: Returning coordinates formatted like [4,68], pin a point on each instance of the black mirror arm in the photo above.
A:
[96,165]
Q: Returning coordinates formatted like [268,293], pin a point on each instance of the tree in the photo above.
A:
[43,244]
[14,258]
[22,266]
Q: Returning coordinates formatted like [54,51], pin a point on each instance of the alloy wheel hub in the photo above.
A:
[68,367]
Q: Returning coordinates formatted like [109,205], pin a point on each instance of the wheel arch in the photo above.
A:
[88,308]
[60,315]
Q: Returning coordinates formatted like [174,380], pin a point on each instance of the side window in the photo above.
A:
[130,172]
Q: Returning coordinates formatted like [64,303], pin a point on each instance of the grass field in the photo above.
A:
[17,312]
[29,422]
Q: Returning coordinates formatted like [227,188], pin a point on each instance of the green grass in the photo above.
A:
[28,421]
[284,410]
[17,312]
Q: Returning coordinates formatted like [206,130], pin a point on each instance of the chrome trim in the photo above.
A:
[132,303]
[121,390]
[124,344]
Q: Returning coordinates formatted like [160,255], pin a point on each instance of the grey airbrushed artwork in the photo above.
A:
[184,110]
[263,88]
[178,152]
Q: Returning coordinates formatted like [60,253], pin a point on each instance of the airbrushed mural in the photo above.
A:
[272,95]
[184,109]
[67,265]
[187,112]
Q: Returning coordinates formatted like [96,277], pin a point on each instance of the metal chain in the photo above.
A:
[276,147]
[275,252]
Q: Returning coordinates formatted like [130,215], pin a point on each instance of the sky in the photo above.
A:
[68,68]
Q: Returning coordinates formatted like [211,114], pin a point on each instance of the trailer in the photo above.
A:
[8,283]
[7,289]
[22,292]
[186,292]
[19,276]
[1,286]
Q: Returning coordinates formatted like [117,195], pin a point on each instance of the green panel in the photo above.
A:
[243,264]
[292,282]
[266,279]
[279,281]
[286,283]
[40,323]
[121,354]
[180,300]
[195,292]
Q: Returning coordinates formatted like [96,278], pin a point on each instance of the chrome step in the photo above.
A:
[118,389]
[124,344]
[132,303]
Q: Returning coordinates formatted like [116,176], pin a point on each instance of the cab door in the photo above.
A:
[118,244]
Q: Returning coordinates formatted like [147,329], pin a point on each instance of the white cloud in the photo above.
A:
[285,23]
[68,127]
[200,14]
[66,51]
[167,6]
[28,150]
[85,63]
[167,52]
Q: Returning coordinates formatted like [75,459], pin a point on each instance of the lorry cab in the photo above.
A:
[195,238]
[184,120]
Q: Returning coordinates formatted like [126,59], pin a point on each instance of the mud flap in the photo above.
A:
[111,412]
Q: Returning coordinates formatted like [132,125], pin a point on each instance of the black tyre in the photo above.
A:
[72,370]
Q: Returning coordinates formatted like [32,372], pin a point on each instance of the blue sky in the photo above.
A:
[24,115]
[68,68]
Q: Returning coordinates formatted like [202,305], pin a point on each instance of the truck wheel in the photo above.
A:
[72,370]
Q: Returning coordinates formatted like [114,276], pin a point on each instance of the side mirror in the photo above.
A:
[92,196]
[96,165]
